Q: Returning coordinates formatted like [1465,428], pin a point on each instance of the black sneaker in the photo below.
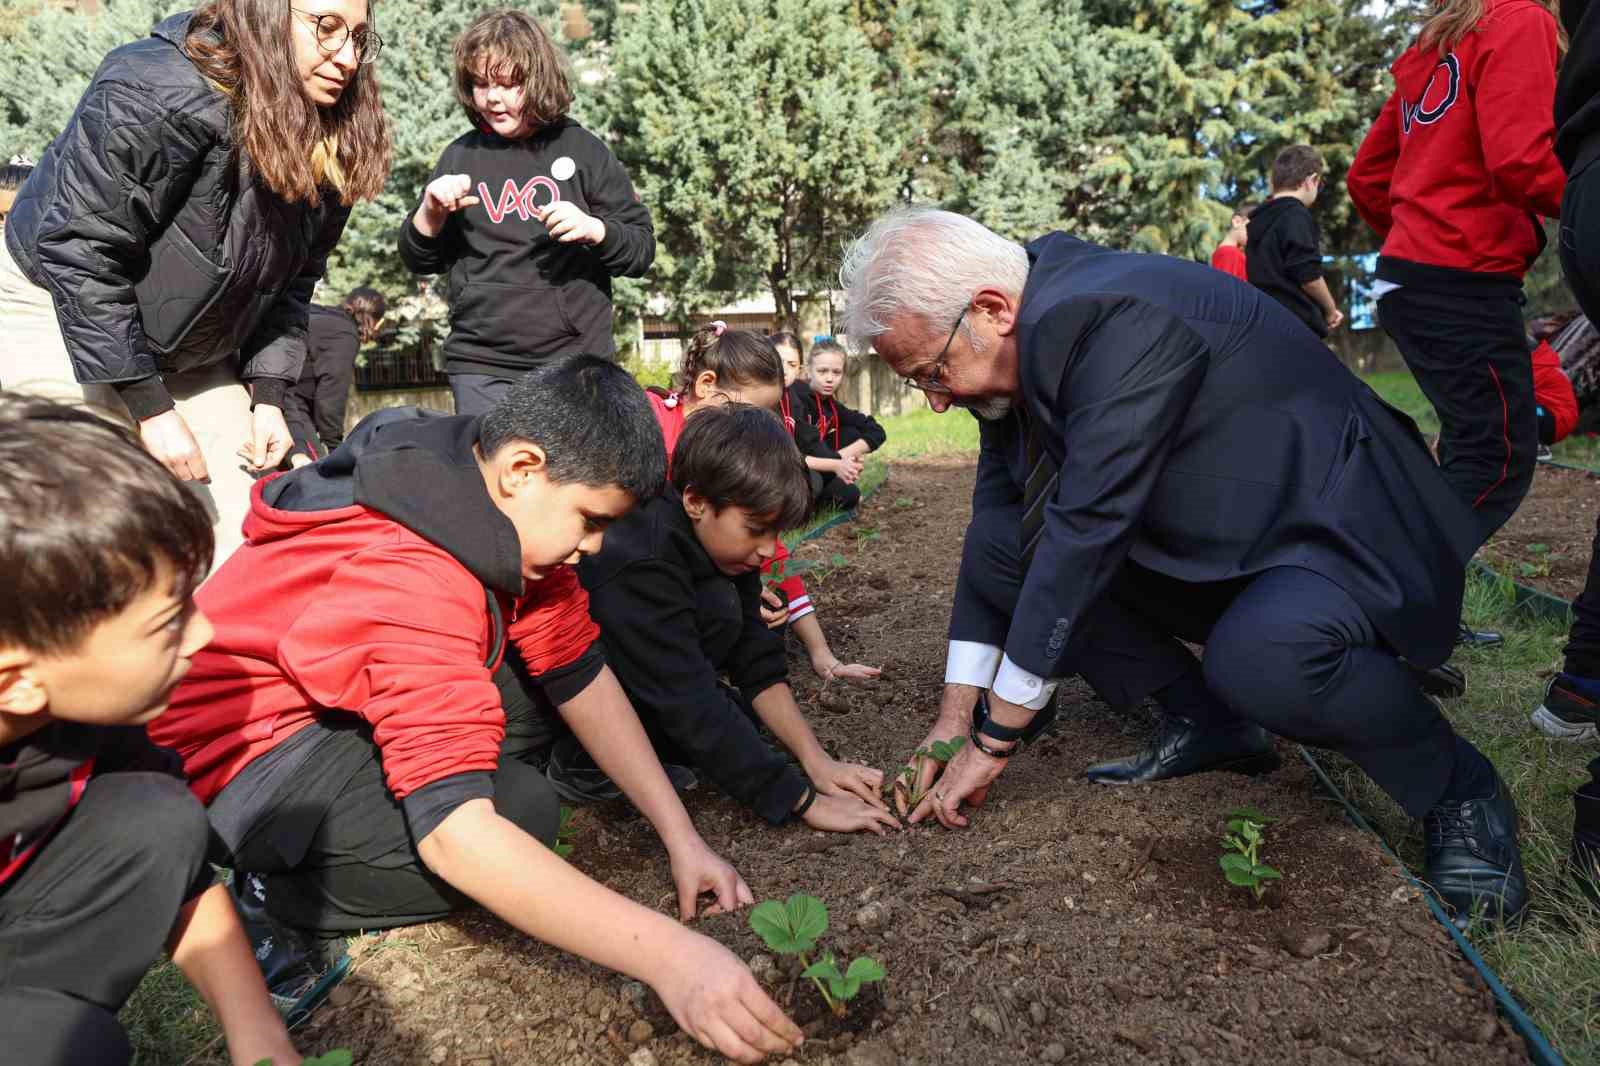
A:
[1474,864]
[1544,454]
[293,962]
[576,778]
[1566,713]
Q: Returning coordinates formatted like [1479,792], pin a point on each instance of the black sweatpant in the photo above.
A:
[1287,649]
[1580,262]
[92,911]
[827,490]
[341,858]
[318,402]
[1470,355]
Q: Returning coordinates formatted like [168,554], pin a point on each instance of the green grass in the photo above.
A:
[1552,964]
[923,433]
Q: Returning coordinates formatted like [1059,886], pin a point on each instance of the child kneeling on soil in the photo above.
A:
[850,433]
[833,477]
[722,365]
[346,733]
[677,591]
[102,847]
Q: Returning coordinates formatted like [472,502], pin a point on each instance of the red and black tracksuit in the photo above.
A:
[347,704]
[101,846]
[835,426]
[1454,176]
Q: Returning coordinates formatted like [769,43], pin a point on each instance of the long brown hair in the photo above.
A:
[1454,19]
[297,149]
[513,42]
[739,357]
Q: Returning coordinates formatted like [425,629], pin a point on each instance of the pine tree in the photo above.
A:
[753,132]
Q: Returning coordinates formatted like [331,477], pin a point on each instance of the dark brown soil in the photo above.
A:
[1546,543]
[1070,923]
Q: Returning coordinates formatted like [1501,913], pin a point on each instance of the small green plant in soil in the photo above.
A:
[341,1057]
[1540,567]
[905,782]
[565,832]
[1241,847]
[792,928]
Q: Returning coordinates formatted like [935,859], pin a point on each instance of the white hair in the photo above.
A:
[924,262]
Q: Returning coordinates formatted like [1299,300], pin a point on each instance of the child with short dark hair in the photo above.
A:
[1229,255]
[833,477]
[102,847]
[1283,251]
[531,253]
[345,728]
[677,590]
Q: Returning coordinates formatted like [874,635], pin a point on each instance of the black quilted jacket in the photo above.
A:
[161,253]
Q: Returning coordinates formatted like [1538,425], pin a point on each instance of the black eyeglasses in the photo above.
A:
[333,32]
[930,382]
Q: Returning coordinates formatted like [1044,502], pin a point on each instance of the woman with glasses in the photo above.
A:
[182,218]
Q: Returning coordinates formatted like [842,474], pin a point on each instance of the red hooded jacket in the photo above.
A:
[398,616]
[1553,391]
[1461,160]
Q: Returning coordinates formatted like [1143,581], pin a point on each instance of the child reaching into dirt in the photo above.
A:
[676,590]
[529,214]
[721,366]
[102,848]
[833,476]
[345,730]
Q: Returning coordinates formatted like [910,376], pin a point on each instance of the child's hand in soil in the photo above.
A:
[774,609]
[848,814]
[966,777]
[715,999]
[834,778]
[829,668]
[697,870]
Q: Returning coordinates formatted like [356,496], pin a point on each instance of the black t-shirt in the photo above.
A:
[1283,253]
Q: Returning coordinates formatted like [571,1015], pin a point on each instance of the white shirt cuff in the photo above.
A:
[971,663]
[1015,685]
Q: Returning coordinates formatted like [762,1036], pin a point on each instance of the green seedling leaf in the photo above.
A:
[824,968]
[1234,862]
[941,751]
[792,927]
[808,916]
[341,1057]
[1242,878]
[1254,814]
[866,970]
[1236,826]
[837,560]
[1265,873]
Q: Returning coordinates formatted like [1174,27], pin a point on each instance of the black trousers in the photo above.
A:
[340,859]
[85,919]
[1470,356]
[1287,649]
[319,400]
[477,394]
[1580,262]
[828,491]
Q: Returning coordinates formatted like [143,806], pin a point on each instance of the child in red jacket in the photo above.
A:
[346,733]
[1454,176]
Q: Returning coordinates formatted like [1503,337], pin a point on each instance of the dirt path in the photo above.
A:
[1114,938]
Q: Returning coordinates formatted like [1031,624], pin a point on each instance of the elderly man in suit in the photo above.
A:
[1167,456]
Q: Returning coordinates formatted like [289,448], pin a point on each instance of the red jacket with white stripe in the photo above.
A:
[1461,160]
[388,593]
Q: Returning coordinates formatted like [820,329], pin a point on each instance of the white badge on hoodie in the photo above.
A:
[563,168]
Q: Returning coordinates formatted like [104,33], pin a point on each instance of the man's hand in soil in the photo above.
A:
[697,870]
[955,716]
[848,814]
[835,778]
[716,999]
[967,777]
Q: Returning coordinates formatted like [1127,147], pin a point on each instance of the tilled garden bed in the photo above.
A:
[1546,543]
[1070,923]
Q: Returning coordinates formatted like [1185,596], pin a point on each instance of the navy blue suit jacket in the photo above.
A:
[1204,433]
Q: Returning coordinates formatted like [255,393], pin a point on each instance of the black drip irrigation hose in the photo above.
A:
[1539,1048]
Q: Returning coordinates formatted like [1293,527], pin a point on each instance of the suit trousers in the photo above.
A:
[1580,262]
[1470,356]
[1287,649]
[84,920]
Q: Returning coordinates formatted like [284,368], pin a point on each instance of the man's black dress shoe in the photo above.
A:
[1472,858]
[1444,681]
[1184,747]
[1467,637]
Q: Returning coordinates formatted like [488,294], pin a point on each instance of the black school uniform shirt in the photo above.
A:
[671,624]
[835,424]
[1284,252]
[519,297]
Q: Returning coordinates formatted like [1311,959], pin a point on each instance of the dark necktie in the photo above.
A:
[1040,488]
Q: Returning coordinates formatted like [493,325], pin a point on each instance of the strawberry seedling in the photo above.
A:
[905,782]
[341,1057]
[792,928]
[1241,861]
[565,832]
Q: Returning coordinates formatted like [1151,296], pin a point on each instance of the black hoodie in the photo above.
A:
[517,296]
[1284,252]
[1578,88]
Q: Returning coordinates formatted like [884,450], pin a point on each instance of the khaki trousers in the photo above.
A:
[212,400]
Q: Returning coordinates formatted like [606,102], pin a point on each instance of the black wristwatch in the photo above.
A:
[984,726]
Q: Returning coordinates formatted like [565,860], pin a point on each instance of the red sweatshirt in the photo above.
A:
[1553,391]
[1230,259]
[670,414]
[1461,160]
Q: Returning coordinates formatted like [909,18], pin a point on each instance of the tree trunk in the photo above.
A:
[1578,345]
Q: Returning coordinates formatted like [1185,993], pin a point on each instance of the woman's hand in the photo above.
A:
[269,439]
[835,778]
[167,437]
[774,608]
[568,224]
[716,999]
[444,196]
[848,814]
